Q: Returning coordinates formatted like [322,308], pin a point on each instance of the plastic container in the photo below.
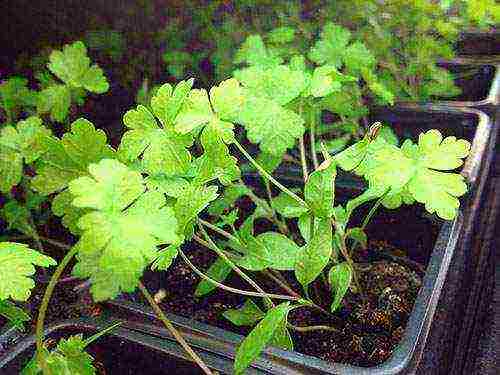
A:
[448,247]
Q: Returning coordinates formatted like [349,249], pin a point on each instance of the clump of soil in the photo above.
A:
[368,325]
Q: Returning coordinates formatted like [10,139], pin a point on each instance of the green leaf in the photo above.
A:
[162,150]
[229,197]
[254,52]
[194,200]
[165,258]
[359,237]
[17,263]
[195,112]
[227,99]
[414,172]
[167,102]
[281,35]
[217,162]
[14,314]
[14,93]
[259,338]
[270,250]
[357,57]
[247,315]
[282,338]
[315,256]
[171,186]
[18,217]
[56,100]
[339,278]
[288,207]
[62,207]
[219,271]
[352,156]
[275,128]
[331,47]
[25,142]
[69,157]
[121,234]
[319,191]
[68,358]
[323,82]
[280,83]
[72,66]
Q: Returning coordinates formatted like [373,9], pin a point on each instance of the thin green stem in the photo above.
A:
[302,149]
[221,231]
[312,138]
[304,329]
[281,283]
[373,210]
[168,324]
[231,264]
[44,305]
[264,173]
[230,288]
[96,336]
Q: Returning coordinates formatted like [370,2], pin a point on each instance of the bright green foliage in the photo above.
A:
[66,159]
[17,263]
[247,315]
[288,207]
[122,232]
[218,271]
[72,66]
[260,337]
[187,207]
[21,144]
[68,358]
[14,95]
[416,171]
[56,100]
[320,189]
[165,258]
[339,278]
[316,254]
[332,45]
[13,314]
[270,250]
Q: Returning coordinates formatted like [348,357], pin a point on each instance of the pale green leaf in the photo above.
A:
[319,191]
[17,263]
[247,315]
[315,256]
[339,277]
[218,271]
[260,337]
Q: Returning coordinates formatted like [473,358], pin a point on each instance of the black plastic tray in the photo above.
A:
[480,43]
[451,242]
[479,81]
[121,351]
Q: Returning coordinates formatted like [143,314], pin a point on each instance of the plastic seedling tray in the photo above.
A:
[484,44]
[445,247]
[121,351]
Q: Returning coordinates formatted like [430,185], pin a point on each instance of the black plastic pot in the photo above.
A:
[447,247]
[121,351]
[480,43]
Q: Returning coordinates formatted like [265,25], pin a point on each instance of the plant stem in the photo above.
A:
[267,207]
[264,173]
[173,330]
[234,290]
[281,283]
[372,211]
[221,231]
[302,149]
[55,243]
[231,264]
[304,329]
[45,303]
[312,139]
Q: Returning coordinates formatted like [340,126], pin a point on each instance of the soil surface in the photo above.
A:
[368,325]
